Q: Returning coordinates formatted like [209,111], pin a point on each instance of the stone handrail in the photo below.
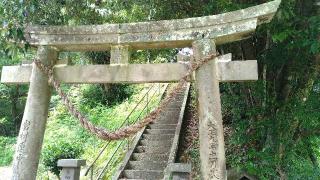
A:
[175,144]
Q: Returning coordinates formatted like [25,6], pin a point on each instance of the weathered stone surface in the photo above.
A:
[139,174]
[150,157]
[212,154]
[175,143]
[145,40]
[178,171]
[237,71]
[71,162]
[65,61]
[131,73]
[70,168]
[223,28]
[34,120]
[16,74]
[120,54]
[179,167]
[228,71]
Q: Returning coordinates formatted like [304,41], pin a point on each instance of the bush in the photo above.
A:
[93,95]
[6,150]
[118,93]
[7,126]
[60,150]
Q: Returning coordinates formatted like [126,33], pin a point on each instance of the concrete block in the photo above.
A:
[178,171]
[70,168]
[71,162]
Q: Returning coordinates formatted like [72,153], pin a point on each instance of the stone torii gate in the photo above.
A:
[202,33]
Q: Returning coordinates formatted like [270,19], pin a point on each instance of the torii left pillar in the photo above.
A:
[28,148]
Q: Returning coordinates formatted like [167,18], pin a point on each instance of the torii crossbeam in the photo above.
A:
[202,33]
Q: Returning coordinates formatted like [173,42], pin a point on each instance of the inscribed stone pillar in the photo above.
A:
[28,148]
[120,54]
[212,154]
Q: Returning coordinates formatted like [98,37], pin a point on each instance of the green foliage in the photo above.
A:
[99,57]
[6,150]
[15,14]
[108,95]
[6,126]
[60,149]
[12,101]
[154,56]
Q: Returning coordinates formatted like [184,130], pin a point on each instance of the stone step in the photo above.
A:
[169,118]
[160,131]
[173,108]
[153,149]
[150,157]
[165,142]
[175,102]
[178,98]
[167,121]
[158,136]
[138,174]
[146,165]
[170,115]
[162,126]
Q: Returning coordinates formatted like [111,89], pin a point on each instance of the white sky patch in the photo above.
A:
[186,51]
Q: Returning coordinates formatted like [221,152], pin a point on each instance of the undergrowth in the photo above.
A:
[62,127]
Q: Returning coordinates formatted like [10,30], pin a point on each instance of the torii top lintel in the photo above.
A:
[224,28]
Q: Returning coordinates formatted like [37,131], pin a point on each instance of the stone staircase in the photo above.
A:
[156,145]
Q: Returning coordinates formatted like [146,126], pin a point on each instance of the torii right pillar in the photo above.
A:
[212,154]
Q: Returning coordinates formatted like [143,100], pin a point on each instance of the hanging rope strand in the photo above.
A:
[127,131]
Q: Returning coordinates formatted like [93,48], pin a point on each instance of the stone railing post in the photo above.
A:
[212,154]
[70,168]
[178,171]
[28,148]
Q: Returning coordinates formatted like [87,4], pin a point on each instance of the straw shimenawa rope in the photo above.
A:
[127,131]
